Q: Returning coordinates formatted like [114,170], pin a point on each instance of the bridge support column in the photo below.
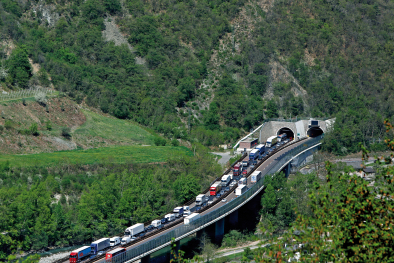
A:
[145,259]
[233,218]
[219,230]
[287,170]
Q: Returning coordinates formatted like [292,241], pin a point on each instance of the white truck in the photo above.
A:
[226,179]
[170,217]
[191,218]
[200,199]
[256,176]
[134,230]
[125,240]
[114,241]
[156,223]
[178,211]
[241,190]
[242,181]
[271,141]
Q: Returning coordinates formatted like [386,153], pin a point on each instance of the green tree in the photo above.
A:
[20,70]
[269,200]
[272,109]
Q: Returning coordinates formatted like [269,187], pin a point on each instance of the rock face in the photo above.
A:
[47,11]
[112,33]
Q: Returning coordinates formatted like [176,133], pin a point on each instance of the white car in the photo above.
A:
[210,202]
[224,200]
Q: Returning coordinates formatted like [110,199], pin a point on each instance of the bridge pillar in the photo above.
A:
[233,218]
[287,170]
[145,259]
[219,230]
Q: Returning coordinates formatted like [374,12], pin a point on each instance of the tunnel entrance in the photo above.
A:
[288,131]
[315,131]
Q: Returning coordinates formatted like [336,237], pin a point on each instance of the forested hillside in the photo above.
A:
[338,52]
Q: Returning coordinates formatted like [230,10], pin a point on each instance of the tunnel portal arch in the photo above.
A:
[314,132]
[289,132]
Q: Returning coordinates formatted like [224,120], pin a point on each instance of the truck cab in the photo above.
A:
[114,241]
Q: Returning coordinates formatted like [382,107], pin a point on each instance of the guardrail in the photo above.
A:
[185,230]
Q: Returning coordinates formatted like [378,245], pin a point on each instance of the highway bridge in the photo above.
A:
[218,210]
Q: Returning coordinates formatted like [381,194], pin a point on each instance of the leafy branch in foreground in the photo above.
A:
[352,221]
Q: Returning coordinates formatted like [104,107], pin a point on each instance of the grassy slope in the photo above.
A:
[120,154]
[116,130]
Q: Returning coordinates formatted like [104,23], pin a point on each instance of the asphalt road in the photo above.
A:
[264,168]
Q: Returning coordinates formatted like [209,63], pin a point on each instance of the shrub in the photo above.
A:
[41,98]
[174,142]
[66,132]
[160,141]
[33,130]
[24,102]
[1,128]
[49,125]
[8,125]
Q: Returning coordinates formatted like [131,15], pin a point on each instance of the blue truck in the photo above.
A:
[99,245]
[261,148]
[254,154]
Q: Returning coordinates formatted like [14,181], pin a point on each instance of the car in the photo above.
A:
[197,208]
[227,189]
[222,192]
[233,183]
[164,220]
[254,162]
[224,200]
[245,163]
[210,202]
[142,234]
[100,253]
[245,172]
[218,195]
[148,228]
[260,157]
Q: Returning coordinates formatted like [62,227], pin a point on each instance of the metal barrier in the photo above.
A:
[184,230]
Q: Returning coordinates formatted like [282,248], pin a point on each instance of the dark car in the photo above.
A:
[164,220]
[218,195]
[197,208]
[148,228]
[261,157]
[227,189]
[254,162]
[142,234]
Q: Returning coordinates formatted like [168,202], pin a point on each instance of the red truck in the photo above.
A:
[79,254]
[215,188]
[238,167]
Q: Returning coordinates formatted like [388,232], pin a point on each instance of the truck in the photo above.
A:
[117,251]
[200,199]
[226,179]
[178,211]
[170,217]
[156,223]
[241,189]
[99,245]
[254,154]
[125,240]
[215,188]
[134,230]
[238,167]
[282,137]
[256,176]
[271,141]
[261,148]
[191,218]
[242,181]
[79,254]
[114,241]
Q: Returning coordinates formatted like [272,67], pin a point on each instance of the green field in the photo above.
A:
[114,129]
[121,154]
